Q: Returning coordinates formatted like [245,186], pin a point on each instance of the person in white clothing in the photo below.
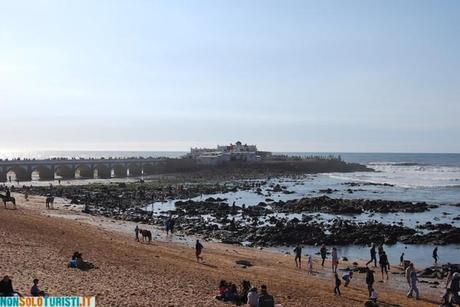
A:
[253,298]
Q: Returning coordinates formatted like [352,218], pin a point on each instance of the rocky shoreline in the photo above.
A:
[265,224]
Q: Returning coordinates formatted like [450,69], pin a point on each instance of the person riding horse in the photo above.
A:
[8,198]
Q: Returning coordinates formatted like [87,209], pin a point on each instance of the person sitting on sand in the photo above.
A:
[231,294]
[35,290]
[222,289]
[253,299]
[198,248]
[6,287]
[76,261]
[298,255]
[347,278]
[265,299]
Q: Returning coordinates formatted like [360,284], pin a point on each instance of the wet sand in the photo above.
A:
[37,243]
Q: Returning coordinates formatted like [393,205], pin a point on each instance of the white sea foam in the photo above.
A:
[406,175]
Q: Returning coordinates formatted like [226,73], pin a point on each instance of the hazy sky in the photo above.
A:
[286,75]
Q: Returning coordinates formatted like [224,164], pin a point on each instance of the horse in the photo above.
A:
[145,234]
[8,199]
[50,202]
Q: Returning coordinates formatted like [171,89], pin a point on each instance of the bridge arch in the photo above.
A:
[18,173]
[42,172]
[102,171]
[148,168]
[84,171]
[64,172]
[134,169]
[119,170]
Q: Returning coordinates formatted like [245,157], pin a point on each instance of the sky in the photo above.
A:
[343,76]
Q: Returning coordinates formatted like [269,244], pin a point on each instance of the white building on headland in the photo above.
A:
[226,153]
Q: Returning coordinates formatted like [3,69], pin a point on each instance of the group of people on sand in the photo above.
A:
[6,288]
[298,259]
[383,261]
[384,265]
[248,295]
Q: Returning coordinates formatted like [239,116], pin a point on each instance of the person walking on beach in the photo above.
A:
[136,231]
[338,282]
[323,252]
[413,283]
[169,225]
[298,255]
[335,260]
[370,281]
[435,255]
[198,248]
[401,260]
[373,256]
[408,271]
[384,264]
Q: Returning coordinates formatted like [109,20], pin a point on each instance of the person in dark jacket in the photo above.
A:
[265,299]
[435,255]
[373,256]
[384,264]
[370,280]
[6,287]
[35,290]
[298,256]
[323,252]
[198,248]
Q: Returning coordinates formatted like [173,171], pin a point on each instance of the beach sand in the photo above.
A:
[38,243]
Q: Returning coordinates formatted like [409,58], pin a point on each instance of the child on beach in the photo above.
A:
[347,278]
[338,282]
[310,264]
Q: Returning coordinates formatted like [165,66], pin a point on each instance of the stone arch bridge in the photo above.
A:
[25,170]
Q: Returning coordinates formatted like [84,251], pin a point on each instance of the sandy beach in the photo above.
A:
[37,243]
